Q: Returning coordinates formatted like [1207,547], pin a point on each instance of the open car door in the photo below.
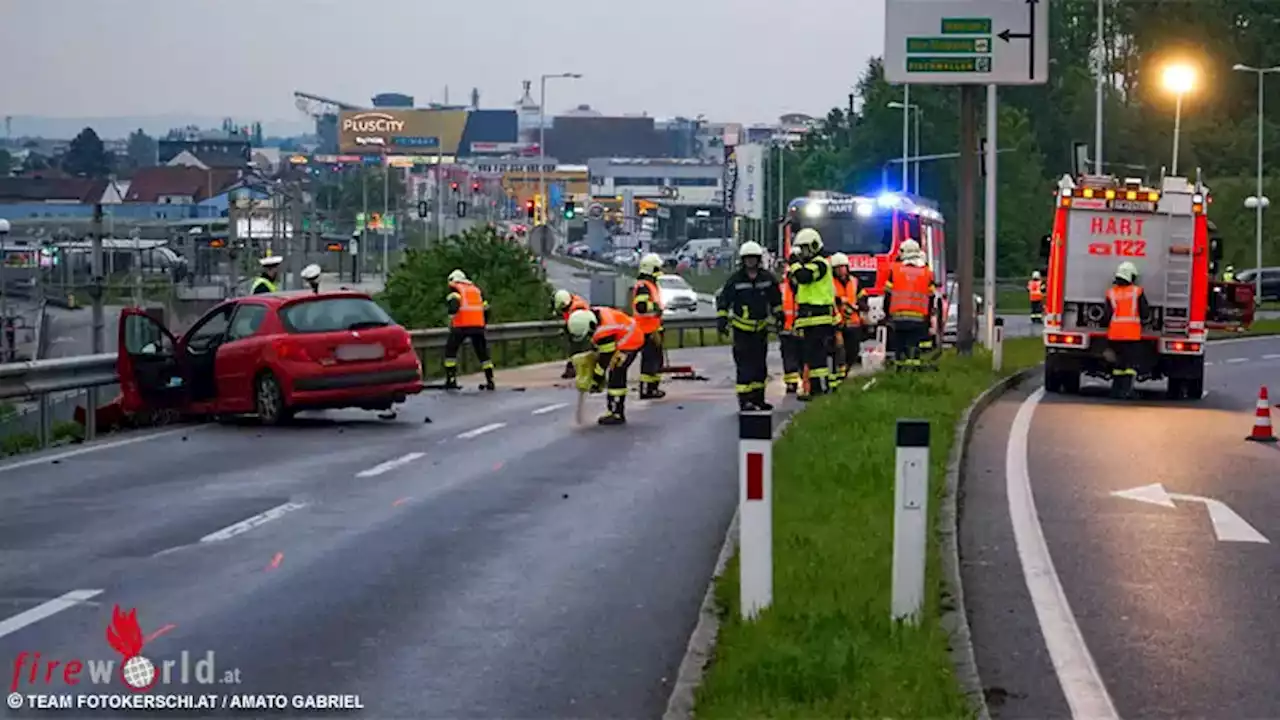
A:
[152,375]
[1231,305]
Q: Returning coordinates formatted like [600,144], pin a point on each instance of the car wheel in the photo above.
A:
[269,400]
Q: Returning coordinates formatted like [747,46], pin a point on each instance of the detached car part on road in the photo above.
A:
[271,355]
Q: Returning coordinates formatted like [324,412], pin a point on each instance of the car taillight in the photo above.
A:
[401,345]
[292,350]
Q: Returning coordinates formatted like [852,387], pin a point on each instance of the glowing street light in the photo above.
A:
[1178,79]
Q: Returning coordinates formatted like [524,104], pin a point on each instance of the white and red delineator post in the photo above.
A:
[755,512]
[910,519]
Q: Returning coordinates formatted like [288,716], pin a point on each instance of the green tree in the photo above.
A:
[507,273]
[6,163]
[340,196]
[142,149]
[87,157]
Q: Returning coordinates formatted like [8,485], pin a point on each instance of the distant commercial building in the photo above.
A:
[672,182]
[392,100]
[576,139]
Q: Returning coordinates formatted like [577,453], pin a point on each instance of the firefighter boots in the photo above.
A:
[488,380]
[569,372]
[616,413]
[451,378]
[650,391]
[757,399]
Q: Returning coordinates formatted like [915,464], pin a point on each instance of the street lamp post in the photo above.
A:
[1260,201]
[542,138]
[918,111]
[1097,110]
[1178,79]
[5,351]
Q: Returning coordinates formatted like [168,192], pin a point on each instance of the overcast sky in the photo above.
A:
[743,60]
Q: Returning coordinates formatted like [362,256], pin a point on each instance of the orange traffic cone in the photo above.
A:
[1262,420]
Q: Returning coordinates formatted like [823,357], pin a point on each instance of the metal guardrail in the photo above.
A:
[34,380]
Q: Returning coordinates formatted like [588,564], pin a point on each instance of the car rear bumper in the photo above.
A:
[355,389]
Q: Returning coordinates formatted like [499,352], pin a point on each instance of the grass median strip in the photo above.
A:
[827,647]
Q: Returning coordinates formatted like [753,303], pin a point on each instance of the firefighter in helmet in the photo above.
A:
[749,301]
[1126,307]
[1035,295]
[646,308]
[566,304]
[908,299]
[815,309]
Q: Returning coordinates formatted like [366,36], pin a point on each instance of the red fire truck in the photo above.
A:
[1101,221]
[869,230]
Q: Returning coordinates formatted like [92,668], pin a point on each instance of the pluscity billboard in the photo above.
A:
[412,132]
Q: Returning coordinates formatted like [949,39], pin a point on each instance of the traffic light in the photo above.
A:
[528,208]
[475,187]
[454,187]
[569,210]
[423,208]
[462,208]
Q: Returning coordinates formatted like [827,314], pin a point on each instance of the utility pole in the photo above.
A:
[967,210]
[364,225]
[386,211]
[96,282]
[1102,62]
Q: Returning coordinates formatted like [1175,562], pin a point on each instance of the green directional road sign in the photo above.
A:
[967,42]
[958,45]
[926,64]
[966,26]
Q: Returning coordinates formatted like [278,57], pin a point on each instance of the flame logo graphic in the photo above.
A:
[125,636]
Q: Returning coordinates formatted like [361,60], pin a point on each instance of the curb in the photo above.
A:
[955,621]
[703,640]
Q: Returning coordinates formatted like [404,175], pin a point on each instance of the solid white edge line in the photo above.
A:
[94,448]
[250,523]
[480,431]
[390,465]
[549,408]
[1077,673]
[11,625]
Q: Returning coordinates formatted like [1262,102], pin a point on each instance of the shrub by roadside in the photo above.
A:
[827,647]
[507,273]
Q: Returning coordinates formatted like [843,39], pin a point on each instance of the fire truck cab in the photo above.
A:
[869,230]
[1100,222]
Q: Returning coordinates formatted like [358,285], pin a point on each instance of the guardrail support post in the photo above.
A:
[910,519]
[997,345]
[90,414]
[43,418]
[755,518]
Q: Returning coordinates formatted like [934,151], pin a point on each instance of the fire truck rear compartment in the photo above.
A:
[1184,373]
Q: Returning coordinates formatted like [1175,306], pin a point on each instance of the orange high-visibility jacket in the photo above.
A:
[1126,318]
[847,301]
[617,331]
[911,288]
[470,306]
[1035,291]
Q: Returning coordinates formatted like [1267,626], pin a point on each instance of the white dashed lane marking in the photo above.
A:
[390,465]
[248,524]
[480,431]
[1272,356]
[1233,361]
[8,626]
[549,408]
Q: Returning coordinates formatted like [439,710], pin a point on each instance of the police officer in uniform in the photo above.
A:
[815,309]
[266,282]
[750,299]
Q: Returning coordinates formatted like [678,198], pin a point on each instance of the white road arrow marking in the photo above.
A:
[1227,524]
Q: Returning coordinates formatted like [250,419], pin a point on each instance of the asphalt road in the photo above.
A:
[1149,605]
[496,562]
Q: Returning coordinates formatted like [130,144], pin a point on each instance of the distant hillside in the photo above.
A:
[120,127]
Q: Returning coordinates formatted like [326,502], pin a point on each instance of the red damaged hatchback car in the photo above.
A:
[271,355]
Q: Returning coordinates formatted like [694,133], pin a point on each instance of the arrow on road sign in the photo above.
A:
[1030,36]
[1228,525]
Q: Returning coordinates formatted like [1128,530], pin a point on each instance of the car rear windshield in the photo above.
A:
[334,314]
